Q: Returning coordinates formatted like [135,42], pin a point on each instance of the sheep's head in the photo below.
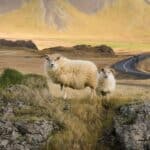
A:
[53,61]
[105,73]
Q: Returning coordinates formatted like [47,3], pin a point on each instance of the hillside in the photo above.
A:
[109,20]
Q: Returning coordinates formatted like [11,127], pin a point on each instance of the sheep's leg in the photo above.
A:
[64,91]
[65,95]
[93,93]
[105,100]
[61,87]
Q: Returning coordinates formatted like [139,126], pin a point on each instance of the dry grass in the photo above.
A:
[82,122]
[144,65]
[82,119]
[85,120]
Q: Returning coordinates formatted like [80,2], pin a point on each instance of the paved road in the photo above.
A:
[128,66]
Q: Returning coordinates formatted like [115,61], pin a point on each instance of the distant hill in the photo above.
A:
[125,20]
[81,51]
[18,44]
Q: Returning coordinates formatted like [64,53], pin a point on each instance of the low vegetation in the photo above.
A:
[82,50]
[19,43]
[30,88]
[12,77]
[82,122]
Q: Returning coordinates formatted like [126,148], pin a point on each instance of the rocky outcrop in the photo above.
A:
[19,43]
[24,123]
[7,6]
[24,135]
[130,129]
[132,126]
[89,6]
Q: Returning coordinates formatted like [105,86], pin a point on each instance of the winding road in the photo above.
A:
[128,66]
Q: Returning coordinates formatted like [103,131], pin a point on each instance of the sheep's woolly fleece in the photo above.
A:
[107,80]
[76,74]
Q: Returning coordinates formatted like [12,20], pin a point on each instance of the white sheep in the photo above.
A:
[76,74]
[107,82]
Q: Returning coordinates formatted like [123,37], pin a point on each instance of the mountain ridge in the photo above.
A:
[114,20]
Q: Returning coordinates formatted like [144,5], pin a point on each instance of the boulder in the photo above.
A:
[132,126]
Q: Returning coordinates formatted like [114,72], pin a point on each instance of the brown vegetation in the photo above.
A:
[82,50]
[19,43]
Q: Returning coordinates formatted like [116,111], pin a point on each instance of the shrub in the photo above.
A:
[9,77]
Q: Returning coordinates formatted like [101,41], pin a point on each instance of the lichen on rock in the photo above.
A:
[132,126]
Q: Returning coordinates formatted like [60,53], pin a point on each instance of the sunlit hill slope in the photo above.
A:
[113,20]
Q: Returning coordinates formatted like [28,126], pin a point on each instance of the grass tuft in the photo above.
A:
[35,81]
[10,77]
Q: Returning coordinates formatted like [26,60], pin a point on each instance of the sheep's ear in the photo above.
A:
[58,58]
[113,71]
[46,57]
[102,70]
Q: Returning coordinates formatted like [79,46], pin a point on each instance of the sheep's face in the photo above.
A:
[105,73]
[53,61]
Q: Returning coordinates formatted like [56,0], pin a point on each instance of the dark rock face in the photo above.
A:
[90,6]
[20,43]
[147,1]
[8,6]
[54,15]
[132,126]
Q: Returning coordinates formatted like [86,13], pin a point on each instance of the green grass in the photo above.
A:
[9,77]
[12,77]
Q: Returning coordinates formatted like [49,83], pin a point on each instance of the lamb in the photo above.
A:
[75,74]
[107,82]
